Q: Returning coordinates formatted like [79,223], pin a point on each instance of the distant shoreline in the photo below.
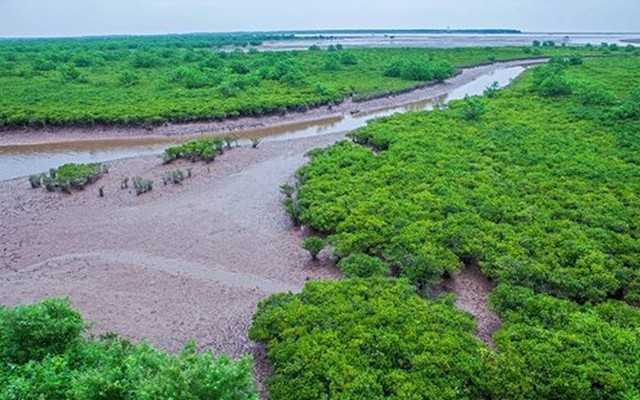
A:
[312,32]
[634,41]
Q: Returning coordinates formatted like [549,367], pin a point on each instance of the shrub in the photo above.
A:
[331,63]
[190,78]
[287,189]
[176,177]
[555,86]
[44,65]
[255,141]
[30,333]
[575,60]
[593,94]
[142,185]
[70,74]
[292,209]
[533,195]
[145,60]
[630,108]
[78,175]
[420,70]
[68,176]
[45,356]
[551,348]
[325,91]
[472,108]
[128,78]
[492,91]
[367,339]
[550,80]
[49,183]
[204,149]
[229,140]
[360,265]
[313,245]
[35,180]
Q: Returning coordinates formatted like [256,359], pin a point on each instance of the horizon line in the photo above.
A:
[495,31]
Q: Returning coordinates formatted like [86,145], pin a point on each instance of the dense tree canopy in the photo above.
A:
[540,191]
[368,339]
[184,78]
[44,355]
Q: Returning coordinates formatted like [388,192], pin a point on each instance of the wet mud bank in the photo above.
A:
[252,125]
[472,290]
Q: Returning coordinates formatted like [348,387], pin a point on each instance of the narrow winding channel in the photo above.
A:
[18,159]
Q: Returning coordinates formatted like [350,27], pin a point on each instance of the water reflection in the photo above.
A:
[16,161]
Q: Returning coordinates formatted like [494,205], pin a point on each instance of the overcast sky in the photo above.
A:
[93,17]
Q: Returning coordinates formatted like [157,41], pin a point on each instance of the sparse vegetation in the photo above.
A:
[35,180]
[142,185]
[67,177]
[205,149]
[175,176]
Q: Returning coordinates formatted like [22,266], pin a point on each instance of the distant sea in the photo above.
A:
[442,39]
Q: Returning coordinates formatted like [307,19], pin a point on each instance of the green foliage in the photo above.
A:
[348,59]
[287,189]
[420,70]
[575,60]
[190,78]
[292,208]
[138,81]
[630,108]
[176,177]
[30,333]
[71,74]
[472,108]
[534,194]
[550,80]
[142,185]
[45,356]
[593,94]
[332,63]
[492,91]
[363,266]
[128,78]
[35,180]
[68,176]
[204,149]
[550,348]
[145,60]
[313,245]
[367,339]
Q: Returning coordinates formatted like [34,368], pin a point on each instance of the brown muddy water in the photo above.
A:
[22,160]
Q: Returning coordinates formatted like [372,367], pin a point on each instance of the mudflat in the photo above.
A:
[180,262]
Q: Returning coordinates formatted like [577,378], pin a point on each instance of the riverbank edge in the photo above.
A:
[29,136]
